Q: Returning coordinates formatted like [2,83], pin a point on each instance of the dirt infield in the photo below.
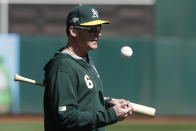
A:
[161,120]
[22,118]
[133,119]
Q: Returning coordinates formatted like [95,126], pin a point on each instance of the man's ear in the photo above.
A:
[73,31]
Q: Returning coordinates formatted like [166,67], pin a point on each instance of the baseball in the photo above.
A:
[126,52]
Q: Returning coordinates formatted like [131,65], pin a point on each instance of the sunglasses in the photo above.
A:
[91,29]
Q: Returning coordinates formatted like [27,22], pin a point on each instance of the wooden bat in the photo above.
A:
[27,80]
[149,111]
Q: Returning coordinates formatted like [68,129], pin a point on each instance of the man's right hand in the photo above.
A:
[122,108]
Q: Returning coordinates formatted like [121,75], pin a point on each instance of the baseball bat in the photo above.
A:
[149,111]
[27,80]
[145,110]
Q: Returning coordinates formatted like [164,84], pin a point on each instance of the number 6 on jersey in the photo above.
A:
[89,83]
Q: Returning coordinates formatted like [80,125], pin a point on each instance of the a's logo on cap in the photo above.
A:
[95,13]
[75,19]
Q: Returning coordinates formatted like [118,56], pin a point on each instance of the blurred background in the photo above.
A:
[161,73]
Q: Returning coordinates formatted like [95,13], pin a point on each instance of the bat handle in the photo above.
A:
[39,83]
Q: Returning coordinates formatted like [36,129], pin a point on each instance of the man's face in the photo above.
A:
[88,38]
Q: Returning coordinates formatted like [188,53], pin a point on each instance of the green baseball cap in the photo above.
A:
[84,15]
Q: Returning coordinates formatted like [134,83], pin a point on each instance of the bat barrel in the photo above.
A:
[24,79]
[143,109]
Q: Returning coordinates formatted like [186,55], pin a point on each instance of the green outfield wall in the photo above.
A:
[161,72]
[175,18]
[175,56]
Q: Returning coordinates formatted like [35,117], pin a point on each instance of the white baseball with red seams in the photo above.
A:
[126,52]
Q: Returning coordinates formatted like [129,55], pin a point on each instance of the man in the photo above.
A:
[73,98]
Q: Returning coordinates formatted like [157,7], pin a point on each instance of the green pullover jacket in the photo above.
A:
[73,97]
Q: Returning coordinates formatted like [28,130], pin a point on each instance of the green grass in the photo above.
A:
[151,127]
[38,126]
[35,126]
